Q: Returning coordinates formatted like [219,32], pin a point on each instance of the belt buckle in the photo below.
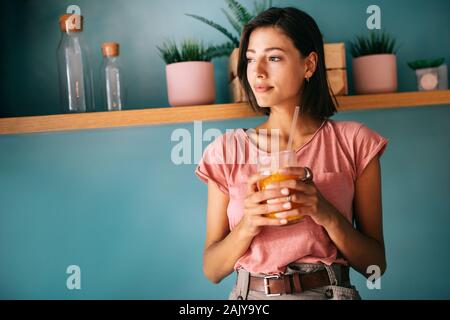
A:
[267,285]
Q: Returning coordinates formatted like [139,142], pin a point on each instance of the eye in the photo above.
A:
[274,59]
[250,60]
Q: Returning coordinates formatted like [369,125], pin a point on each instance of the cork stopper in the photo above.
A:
[71,22]
[110,49]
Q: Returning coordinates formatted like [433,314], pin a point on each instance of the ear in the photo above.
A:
[311,64]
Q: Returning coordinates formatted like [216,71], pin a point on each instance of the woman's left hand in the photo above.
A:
[305,198]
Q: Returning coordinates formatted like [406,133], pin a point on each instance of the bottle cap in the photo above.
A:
[110,49]
[71,22]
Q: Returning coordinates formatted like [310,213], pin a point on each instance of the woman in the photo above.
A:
[281,66]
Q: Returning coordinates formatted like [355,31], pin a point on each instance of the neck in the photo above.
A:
[278,127]
[281,118]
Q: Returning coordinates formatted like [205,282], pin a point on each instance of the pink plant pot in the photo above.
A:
[190,83]
[375,73]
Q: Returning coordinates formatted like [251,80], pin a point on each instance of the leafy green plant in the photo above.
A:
[426,63]
[238,16]
[190,50]
[375,43]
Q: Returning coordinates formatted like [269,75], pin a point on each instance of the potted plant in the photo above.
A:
[237,15]
[374,63]
[431,74]
[189,72]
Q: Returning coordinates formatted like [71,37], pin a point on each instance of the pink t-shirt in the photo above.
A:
[337,154]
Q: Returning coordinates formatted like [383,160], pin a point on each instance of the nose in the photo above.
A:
[260,69]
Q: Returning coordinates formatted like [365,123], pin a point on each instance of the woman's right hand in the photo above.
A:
[255,206]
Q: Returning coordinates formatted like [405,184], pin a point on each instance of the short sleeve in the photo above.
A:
[368,144]
[212,165]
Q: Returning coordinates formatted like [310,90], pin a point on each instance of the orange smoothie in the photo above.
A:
[278,177]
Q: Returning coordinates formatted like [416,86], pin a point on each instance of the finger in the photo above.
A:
[269,208]
[263,221]
[295,198]
[297,185]
[252,182]
[300,198]
[267,194]
[278,200]
[293,213]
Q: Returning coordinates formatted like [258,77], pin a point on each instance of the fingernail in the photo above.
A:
[285,191]
[287,205]
[283,221]
[270,201]
[271,186]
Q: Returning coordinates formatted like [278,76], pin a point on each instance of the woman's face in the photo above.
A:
[275,68]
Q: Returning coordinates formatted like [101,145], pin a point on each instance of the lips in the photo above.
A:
[263,88]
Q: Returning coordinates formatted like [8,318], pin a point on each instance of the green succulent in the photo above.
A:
[190,50]
[426,63]
[238,16]
[375,43]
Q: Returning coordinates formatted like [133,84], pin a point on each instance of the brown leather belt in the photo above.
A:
[293,283]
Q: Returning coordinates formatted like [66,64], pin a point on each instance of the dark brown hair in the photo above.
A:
[316,99]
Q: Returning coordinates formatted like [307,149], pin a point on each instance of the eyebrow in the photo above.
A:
[266,50]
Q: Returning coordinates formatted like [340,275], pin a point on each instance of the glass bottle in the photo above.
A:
[75,73]
[113,87]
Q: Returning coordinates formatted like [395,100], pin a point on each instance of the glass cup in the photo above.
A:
[269,165]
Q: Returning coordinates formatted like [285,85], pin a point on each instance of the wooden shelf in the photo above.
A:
[159,116]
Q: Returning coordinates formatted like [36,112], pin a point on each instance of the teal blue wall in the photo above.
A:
[112,202]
